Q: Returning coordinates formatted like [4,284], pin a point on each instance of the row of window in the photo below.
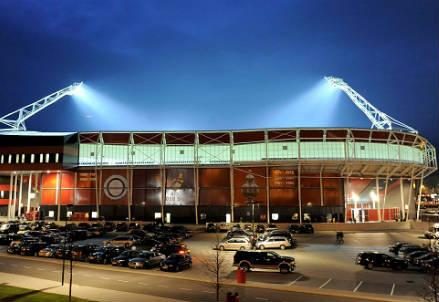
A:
[41,158]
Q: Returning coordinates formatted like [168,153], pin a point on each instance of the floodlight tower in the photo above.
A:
[379,119]
[15,121]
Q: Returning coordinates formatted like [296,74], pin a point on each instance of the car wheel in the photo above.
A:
[177,268]
[284,269]
[245,267]
[370,265]
[242,248]
[221,247]
[282,247]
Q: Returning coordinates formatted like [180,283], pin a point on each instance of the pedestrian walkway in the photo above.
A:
[83,292]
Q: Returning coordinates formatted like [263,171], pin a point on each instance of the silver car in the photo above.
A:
[238,243]
[275,242]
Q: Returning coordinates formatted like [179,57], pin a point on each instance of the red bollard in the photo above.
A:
[240,276]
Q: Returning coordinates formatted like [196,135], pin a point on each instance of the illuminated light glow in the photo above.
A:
[355,197]
[373,195]
[316,107]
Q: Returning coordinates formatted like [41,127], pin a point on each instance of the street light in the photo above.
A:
[69,209]
[250,190]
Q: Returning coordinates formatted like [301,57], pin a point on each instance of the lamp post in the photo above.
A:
[70,209]
[250,190]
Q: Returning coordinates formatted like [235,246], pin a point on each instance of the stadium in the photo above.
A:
[260,175]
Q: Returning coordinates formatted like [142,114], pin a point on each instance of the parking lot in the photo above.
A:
[321,264]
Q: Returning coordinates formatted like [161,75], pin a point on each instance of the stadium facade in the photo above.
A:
[266,175]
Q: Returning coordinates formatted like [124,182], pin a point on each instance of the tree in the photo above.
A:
[215,262]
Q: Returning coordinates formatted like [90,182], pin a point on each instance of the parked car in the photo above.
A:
[9,228]
[410,257]
[235,244]
[373,260]
[149,243]
[362,256]
[394,248]
[274,242]
[48,251]
[96,231]
[109,226]
[306,228]
[81,252]
[7,238]
[121,227]
[260,228]
[32,248]
[168,249]
[181,230]
[63,252]
[407,249]
[433,232]
[248,260]
[124,257]
[420,260]
[125,241]
[84,226]
[104,255]
[280,233]
[146,259]
[176,262]
[238,232]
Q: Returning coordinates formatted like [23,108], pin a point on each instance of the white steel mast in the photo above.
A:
[15,121]
[379,119]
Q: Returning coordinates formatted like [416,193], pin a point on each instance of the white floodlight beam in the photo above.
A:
[15,121]
[379,119]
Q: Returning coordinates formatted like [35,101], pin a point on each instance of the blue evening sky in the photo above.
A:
[184,65]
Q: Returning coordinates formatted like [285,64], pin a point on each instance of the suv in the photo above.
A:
[277,242]
[371,260]
[301,228]
[247,260]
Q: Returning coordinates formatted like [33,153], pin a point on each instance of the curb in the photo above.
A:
[251,284]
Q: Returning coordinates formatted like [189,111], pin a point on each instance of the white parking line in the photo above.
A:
[326,283]
[262,299]
[392,290]
[297,279]
[183,288]
[358,286]
[125,281]
[27,266]
[56,271]
[40,269]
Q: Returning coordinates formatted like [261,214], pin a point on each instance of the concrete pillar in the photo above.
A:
[377,184]
[421,183]
[29,191]
[401,190]
[57,199]
[20,196]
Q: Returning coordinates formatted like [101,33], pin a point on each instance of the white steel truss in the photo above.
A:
[15,120]
[379,119]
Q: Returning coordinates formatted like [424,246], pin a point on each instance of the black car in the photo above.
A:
[7,238]
[176,262]
[168,249]
[109,226]
[306,228]
[148,243]
[407,249]
[410,257]
[81,252]
[63,252]
[420,260]
[238,232]
[375,259]
[395,247]
[121,227]
[146,259]
[247,260]
[124,257]
[32,248]
[105,254]
[260,228]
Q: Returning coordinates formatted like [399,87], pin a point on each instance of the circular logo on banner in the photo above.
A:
[116,187]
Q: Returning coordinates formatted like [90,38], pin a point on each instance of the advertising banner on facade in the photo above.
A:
[180,187]
[49,183]
[250,186]
[115,187]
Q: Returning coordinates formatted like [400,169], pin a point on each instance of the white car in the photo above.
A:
[275,242]
[235,243]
